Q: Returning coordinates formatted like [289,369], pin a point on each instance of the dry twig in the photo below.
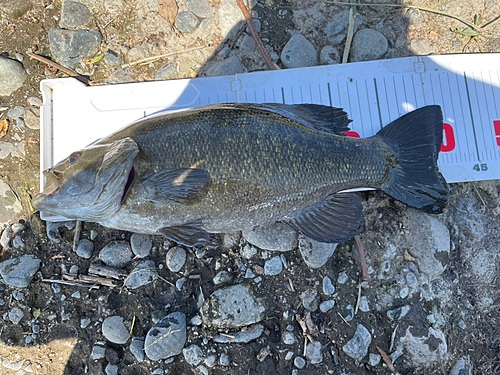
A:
[60,67]
[255,36]
[386,359]
[76,238]
[362,258]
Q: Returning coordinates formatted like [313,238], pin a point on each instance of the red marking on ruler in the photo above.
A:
[496,123]
[352,134]
[448,138]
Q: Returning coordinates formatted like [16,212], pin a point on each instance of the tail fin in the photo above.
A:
[415,140]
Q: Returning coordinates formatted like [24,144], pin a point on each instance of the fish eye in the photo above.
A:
[73,158]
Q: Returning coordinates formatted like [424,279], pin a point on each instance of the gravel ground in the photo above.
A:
[264,302]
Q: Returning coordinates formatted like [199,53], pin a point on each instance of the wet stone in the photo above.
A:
[186,22]
[298,53]
[357,347]
[70,47]
[176,257]
[328,288]
[116,254]
[74,14]
[314,253]
[367,45]
[18,272]
[144,273]
[137,349]
[232,307]
[313,352]
[85,248]
[15,315]
[273,267]
[193,355]
[167,337]
[114,330]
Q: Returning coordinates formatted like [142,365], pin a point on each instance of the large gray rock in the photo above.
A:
[12,75]
[424,347]
[167,337]
[357,347]
[298,53]
[71,47]
[74,14]
[116,254]
[428,240]
[315,253]
[367,45]
[275,237]
[232,307]
[18,272]
[144,273]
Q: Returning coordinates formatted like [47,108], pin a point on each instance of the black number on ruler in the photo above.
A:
[480,167]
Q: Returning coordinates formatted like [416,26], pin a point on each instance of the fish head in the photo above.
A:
[91,183]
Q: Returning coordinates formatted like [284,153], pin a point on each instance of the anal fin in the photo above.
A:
[189,235]
[336,219]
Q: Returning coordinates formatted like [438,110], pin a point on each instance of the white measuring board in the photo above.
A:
[373,93]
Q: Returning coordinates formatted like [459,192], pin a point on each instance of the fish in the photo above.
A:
[229,167]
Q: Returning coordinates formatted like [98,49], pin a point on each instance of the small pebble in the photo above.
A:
[15,315]
[73,269]
[18,295]
[98,352]
[288,356]
[313,352]
[36,328]
[176,257]
[111,369]
[288,338]
[114,330]
[77,294]
[328,288]
[224,359]
[342,279]
[137,349]
[210,361]
[85,249]
[141,244]
[326,306]
[34,101]
[84,323]
[223,277]
[193,354]
[273,267]
[363,304]
[116,254]
[374,359]
[299,362]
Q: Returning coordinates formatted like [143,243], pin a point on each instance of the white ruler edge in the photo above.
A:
[373,93]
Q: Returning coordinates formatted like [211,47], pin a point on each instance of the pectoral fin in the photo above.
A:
[336,219]
[182,185]
[189,235]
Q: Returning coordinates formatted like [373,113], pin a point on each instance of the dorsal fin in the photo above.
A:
[316,117]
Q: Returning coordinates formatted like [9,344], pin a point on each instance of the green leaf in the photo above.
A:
[37,313]
[95,59]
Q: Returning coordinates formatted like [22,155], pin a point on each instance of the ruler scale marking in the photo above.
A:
[378,103]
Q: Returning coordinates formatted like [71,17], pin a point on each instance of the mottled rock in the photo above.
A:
[18,272]
[315,253]
[275,237]
[186,22]
[367,45]
[12,75]
[202,8]
[144,273]
[176,257]
[309,300]
[167,337]
[274,266]
[425,346]
[232,307]
[85,249]
[114,330]
[167,71]
[226,67]
[329,55]
[298,53]
[15,8]
[116,254]
[71,47]
[15,315]
[461,367]
[112,58]
[420,47]
[193,355]
[374,359]
[141,244]
[357,347]
[32,117]
[74,14]
[245,336]
[313,352]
